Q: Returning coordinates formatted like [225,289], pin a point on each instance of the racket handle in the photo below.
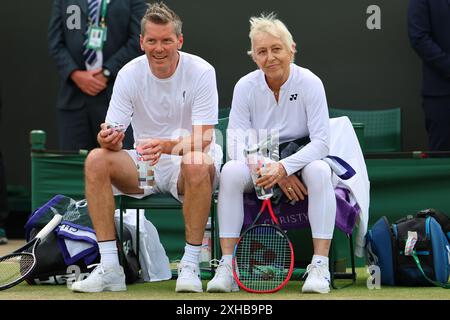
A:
[50,226]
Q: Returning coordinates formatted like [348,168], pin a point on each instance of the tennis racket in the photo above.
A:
[16,266]
[263,258]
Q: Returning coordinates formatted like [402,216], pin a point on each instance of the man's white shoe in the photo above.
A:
[223,280]
[188,278]
[102,279]
[318,280]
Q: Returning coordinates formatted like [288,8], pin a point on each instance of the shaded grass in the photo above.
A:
[165,290]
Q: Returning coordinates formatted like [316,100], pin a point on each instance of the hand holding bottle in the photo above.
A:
[145,168]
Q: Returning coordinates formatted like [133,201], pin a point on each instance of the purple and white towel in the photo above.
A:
[77,242]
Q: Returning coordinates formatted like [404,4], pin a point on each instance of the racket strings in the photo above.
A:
[13,267]
[263,258]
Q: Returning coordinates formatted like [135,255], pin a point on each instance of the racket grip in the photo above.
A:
[50,226]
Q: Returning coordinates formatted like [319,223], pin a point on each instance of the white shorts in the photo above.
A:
[167,172]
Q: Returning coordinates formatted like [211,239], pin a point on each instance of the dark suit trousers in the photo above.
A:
[437,122]
[3,196]
[78,128]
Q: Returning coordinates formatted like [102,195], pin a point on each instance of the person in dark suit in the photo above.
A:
[429,33]
[87,79]
[3,196]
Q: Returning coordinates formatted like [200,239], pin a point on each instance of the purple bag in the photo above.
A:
[296,216]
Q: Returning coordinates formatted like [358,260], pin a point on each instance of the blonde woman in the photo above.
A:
[285,97]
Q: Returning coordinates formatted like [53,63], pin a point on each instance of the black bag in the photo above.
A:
[52,269]
[413,251]
[51,266]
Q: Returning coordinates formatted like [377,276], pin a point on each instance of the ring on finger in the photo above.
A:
[290,189]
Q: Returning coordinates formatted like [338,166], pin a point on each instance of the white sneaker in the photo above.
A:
[102,279]
[188,278]
[223,280]
[318,280]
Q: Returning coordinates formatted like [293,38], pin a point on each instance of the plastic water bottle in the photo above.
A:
[146,175]
[255,161]
[146,172]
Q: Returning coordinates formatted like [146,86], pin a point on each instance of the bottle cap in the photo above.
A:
[251,149]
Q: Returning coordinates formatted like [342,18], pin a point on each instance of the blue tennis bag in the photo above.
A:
[413,251]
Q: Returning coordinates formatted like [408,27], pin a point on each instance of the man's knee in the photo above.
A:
[196,167]
[96,162]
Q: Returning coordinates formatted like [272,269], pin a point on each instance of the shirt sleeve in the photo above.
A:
[239,123]
[318,124]
[121,105]
[206,102]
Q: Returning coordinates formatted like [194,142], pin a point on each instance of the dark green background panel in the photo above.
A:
[360,68]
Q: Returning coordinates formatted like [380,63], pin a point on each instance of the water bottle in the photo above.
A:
[146,172]
[146,175]
[255,161]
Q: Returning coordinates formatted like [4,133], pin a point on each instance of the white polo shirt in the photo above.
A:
[301,111]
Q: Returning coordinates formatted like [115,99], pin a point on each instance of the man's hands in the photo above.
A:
[151,149]
[109,138]
[91,82]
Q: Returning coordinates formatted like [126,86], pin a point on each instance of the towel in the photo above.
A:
[77,242]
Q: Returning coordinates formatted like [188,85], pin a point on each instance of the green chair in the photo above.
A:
[48,166]
[158,202]
[224,112]
[54,171]
[382,128]
[158,206]
[337,265]
[221,136]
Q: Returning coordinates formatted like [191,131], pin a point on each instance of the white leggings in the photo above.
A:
[235,180]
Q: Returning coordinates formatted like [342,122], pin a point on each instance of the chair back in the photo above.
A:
[224,112]
[221,136]
[382,128]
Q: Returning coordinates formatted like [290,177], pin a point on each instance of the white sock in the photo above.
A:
[191,253]
[108,253]
[320,261]
[227,259]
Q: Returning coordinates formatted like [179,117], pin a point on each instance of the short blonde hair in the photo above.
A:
[273,26]
[160,13]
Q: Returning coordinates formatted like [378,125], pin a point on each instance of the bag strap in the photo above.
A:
[436,283]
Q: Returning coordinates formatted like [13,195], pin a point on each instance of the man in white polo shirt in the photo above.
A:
[171,96]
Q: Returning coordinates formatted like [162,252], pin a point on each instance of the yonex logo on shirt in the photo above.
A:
[293,97]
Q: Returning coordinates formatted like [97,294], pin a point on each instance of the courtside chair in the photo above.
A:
[158,202]
[48,166]
[382,128]
[342,274]
[335,274]
[224,112]
[54,171]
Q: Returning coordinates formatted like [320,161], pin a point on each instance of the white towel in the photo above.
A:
[344,144]
[153,259]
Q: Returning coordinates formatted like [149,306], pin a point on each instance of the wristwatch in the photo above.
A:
[106,73]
